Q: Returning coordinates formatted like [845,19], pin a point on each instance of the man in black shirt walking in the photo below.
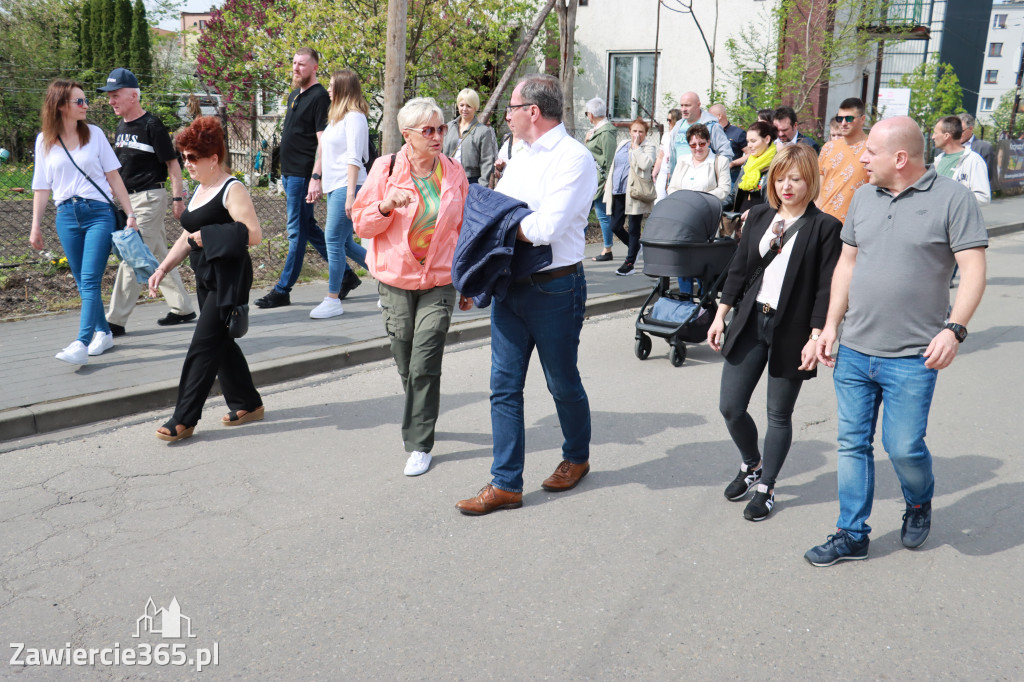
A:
[147,157]
[304,123]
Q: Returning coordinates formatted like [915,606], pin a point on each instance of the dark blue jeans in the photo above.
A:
[546,316]
[84,227]
[302,229]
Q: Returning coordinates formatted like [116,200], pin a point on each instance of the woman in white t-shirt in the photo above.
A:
[85,217]
[664,153]
[344,146]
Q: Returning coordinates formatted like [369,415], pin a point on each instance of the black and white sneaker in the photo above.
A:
[917,522]
[625,269]
[760,506]
[741,485]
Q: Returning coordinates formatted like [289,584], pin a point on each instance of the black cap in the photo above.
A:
[119,78]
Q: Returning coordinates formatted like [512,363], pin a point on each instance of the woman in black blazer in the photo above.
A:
[780,310]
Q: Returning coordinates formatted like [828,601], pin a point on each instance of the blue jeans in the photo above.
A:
[606,224]
[340,242]
[863,383]
[84,227]
[302,228]
[548,316]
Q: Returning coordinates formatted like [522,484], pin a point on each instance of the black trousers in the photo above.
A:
[213,355]
[618,219]
[740,374]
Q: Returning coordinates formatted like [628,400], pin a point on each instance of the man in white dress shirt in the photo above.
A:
[557,178]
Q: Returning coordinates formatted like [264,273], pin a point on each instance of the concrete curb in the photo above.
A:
[21,422]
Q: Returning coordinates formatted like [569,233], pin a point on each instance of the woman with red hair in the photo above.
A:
[219,224]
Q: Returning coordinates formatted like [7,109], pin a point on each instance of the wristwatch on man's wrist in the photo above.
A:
[315,176]
[959,331]
[178,198]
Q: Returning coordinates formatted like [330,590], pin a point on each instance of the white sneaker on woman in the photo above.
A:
[101,341]
[76,354]
[330,307]
[418,463]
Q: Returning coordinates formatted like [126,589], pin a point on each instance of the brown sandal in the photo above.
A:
[235,419]
[175,435]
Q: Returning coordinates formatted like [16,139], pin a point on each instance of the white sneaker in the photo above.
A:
[101,341]
[418,463]
[329,307]
[76,354]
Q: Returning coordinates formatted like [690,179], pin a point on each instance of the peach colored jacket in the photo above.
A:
[389,258]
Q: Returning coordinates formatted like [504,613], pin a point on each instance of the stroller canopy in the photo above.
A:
[683,217]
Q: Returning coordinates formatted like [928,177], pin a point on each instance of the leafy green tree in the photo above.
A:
[97,60]
[934,92]
[85,34]
[1000,122]
[141,57]
[122,32]
[105,62]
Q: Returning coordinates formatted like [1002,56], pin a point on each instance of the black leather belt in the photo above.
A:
[145,189]
[766,309]
[548,275]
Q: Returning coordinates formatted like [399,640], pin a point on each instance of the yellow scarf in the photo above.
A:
[753,167]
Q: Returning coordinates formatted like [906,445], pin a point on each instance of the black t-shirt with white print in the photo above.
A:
[143,147]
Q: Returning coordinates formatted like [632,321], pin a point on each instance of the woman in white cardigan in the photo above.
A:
[701,170]
[631,167]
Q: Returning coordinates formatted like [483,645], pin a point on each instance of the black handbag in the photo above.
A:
[120,217]
[238,321]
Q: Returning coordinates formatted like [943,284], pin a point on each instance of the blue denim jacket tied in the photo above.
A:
[488,257]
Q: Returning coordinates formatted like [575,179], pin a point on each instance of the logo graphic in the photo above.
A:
[164,622]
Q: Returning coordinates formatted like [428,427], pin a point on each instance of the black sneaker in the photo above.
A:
[760,506]
[917,521]
[625,269]
[349,281]
[274,299]
[838,547]
[741,485]
[116,329]
[172,319]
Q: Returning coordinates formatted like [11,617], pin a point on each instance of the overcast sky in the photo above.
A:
[174,23]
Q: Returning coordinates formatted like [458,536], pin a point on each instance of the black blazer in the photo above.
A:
[803,301]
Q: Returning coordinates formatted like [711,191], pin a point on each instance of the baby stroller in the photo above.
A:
[679,241]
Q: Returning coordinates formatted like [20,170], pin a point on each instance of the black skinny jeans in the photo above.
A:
[213,355]
[617,219]
[740,375]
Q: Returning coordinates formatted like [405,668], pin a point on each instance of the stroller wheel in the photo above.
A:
[643,346]
[677,354]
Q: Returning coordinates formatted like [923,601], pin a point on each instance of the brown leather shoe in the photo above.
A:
[489,499]
[566,476]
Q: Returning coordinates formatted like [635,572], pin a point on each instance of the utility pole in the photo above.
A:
[394,76]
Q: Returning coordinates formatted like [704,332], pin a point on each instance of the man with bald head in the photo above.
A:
[737,138]
[689,105]
[902,236]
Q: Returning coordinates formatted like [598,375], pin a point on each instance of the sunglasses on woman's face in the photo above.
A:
[430,131]
[81,101]
[845,119]
[189,157]
[700,143]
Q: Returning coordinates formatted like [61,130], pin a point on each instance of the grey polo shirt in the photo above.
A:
[899,294]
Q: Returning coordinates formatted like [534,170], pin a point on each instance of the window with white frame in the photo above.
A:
[992,76]
[630,77]
[995,49]
[986,103]
[999,21]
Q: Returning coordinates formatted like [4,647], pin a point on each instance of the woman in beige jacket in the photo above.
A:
[629,190]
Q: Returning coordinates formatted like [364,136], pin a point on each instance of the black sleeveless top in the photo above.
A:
[213,212]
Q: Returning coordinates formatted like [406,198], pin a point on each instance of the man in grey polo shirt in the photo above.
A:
[903,234]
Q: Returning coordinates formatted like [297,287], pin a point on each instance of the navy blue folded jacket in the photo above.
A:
[488,257]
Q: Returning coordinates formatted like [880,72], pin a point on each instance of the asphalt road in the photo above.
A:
[297,546]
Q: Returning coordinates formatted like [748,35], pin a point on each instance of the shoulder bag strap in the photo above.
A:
[72,159]
[769,255]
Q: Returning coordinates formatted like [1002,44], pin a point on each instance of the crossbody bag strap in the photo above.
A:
[769,255]
[72,159]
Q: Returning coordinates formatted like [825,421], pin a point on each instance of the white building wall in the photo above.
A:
[607,27]
[1010,34]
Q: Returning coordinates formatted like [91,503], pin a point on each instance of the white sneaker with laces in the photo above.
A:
[101,341]
[329,307]
[76,354]
[418,463]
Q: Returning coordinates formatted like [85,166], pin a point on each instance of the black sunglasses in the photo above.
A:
[778,229]
[847,119]
[81,101]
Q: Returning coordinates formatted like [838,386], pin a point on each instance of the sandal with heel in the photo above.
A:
[175,435]
[234,419]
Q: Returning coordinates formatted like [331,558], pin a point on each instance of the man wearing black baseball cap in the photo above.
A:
[147,156]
